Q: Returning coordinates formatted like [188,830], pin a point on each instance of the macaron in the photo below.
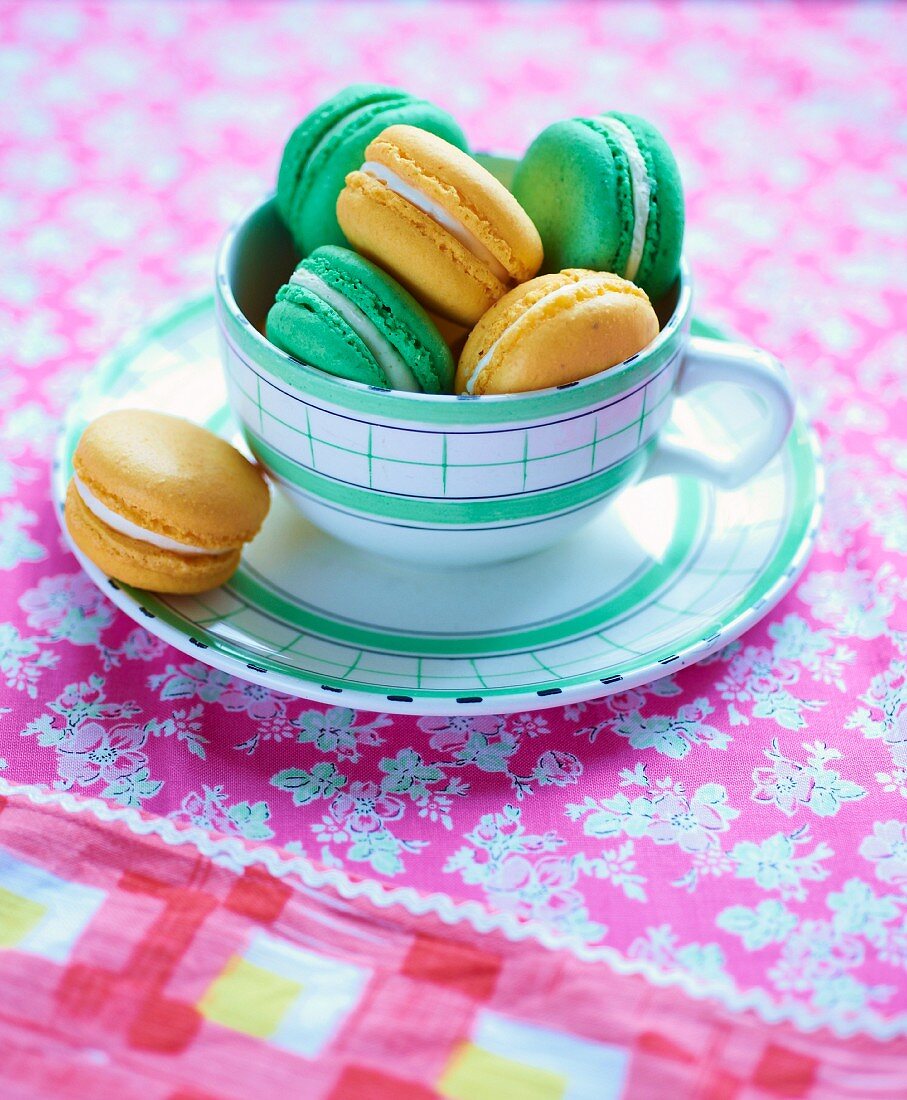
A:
[330,142]
[556,329]
[605,194]
[160,503]
[439,222]
[344,315]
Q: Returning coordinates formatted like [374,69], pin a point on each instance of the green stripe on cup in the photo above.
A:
[262,596]
[429,512]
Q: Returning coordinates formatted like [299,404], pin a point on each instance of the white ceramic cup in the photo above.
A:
[462,480]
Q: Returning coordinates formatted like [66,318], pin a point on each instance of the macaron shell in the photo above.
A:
[664,232]
[574,183]
[505,313]
[392,309]
[341,135]
[466,191]
[139,563]
[304,326]
[568,184]
[597,322]
[313,129]
[440,272]
[172,477]
[621,211]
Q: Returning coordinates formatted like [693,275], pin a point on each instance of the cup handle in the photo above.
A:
[705,361]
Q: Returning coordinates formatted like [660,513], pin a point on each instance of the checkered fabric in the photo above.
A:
[134,968]
[739,826]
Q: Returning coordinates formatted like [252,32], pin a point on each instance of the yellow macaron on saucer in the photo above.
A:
[162,503]
[312,617]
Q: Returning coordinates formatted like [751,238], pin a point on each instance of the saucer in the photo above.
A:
[671,572]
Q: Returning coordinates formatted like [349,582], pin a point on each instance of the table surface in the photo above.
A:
[738,829]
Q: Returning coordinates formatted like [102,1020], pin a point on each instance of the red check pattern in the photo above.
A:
[134,968]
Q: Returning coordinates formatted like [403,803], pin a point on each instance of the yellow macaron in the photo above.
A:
[440,223]
[160,503]
[556,329]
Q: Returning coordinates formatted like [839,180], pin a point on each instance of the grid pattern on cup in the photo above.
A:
[461,516]
[737,560]
[312,438]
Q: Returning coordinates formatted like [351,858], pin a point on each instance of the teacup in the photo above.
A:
[462,480]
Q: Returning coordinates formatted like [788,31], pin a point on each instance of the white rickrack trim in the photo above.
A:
[483,920]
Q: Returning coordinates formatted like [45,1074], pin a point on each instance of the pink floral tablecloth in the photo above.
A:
[739,830]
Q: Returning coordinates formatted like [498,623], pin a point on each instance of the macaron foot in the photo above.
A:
[138,564]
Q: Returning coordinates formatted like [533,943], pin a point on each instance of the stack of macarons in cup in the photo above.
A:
[421,271]
[418,271]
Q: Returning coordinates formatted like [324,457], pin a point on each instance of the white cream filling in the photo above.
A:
[438,214]
[559,292]
[133,530]
[386,355]
[640,185]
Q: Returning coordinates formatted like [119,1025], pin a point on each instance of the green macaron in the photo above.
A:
[344,315]
[330,142]
[605,194]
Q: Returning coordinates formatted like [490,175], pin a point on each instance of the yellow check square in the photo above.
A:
[18,916]
[477,1074]
[248,998]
